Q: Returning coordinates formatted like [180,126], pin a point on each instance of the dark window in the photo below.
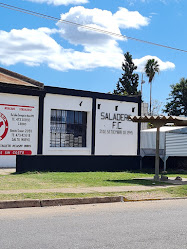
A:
[68,128]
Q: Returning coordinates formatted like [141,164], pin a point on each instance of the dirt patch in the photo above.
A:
[7,171]
[146,195]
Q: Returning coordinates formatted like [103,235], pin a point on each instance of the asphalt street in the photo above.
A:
[153,224]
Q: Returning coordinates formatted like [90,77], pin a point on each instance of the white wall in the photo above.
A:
[148,139]
[176,144]
[115,137]
[19,117]
[63,102]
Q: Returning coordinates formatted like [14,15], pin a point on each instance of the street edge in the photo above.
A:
[74,201]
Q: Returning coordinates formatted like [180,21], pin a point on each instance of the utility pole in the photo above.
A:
[142,82]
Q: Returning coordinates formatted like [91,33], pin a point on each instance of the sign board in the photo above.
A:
[115,134]
[18,125]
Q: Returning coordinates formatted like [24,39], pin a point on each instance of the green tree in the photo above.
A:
[128,83]
[151,68]
[177,102]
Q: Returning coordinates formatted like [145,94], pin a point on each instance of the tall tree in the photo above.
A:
[177,102]
[151,68]
[128,83]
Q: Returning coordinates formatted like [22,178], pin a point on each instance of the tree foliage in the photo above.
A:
[177,102]
[151,68]
[128,83]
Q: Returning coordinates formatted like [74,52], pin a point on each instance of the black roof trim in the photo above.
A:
[21,77]
[81,93]
[21,89]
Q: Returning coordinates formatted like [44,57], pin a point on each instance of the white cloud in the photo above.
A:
[100,19]
[27,46]
[95,42]
[130,19]
[96,18]
[140,63]
[36,47]
[60,2]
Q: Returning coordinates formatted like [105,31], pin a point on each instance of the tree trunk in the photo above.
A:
[150,98]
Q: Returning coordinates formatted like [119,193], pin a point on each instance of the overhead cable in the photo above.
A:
[30,12]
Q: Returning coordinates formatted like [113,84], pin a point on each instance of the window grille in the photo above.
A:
[68,128]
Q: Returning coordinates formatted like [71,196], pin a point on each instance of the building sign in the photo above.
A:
[115,133]
[17,129]
[116,121]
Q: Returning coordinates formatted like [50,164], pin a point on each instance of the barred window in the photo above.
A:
[68,128]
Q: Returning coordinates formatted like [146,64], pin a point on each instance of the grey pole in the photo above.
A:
[156,177]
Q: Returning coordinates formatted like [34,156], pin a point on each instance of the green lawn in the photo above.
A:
[180,191]
[45,180]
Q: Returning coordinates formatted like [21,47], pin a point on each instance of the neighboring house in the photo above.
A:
[9,77]
[173,142]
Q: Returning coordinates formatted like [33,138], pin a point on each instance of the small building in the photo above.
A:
[173,142]
[54,127]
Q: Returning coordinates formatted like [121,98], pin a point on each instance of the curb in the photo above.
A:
[58,202]
[74,201]
[155,199]
[19,204]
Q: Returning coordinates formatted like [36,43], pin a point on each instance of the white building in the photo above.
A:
[173,142]
[58,123]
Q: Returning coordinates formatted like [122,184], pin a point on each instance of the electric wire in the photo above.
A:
[30,12]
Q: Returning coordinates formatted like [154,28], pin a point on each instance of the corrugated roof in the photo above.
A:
[19,79]
[166,129]
[160,119]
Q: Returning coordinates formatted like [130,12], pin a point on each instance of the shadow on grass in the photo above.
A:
[140,182]
[29,172]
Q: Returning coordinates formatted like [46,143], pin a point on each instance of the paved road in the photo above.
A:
[141,225]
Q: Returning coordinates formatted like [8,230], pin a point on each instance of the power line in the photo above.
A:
[30,12]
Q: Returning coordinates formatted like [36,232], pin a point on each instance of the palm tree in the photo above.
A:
[151,68]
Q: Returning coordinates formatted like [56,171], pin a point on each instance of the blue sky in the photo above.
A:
[63,55]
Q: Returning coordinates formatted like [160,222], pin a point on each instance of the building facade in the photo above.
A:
[51,121]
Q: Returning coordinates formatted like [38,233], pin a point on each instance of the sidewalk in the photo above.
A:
[85,190]
[7,171]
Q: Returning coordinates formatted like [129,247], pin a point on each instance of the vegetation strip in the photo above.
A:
[47,180]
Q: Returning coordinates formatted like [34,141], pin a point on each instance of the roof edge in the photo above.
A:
[21,77]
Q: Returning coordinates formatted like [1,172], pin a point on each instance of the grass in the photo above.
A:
[45,180]
[48,180]
[180,191]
